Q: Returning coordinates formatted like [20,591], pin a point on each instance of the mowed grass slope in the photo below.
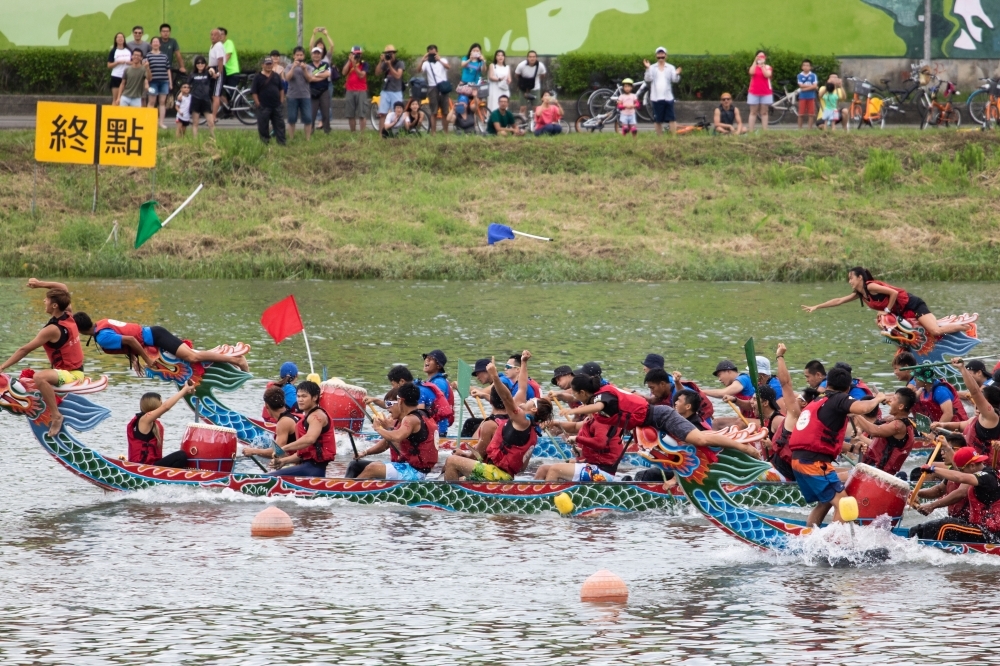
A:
[779,206]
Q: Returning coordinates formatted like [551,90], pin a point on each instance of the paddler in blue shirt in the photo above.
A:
[434,362]
[737,386]
[509,378]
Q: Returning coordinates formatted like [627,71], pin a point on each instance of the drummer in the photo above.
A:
[314,446]
[145,432]
[283,418]
[412,451]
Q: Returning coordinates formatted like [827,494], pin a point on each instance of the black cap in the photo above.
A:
[480,366]
[976,365]
[845,366]
[725,365]
[654,361]
[561,371]
[590,369]
[438,356]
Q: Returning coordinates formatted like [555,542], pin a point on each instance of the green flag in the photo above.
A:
[149,223]
[464,380]
[752,368]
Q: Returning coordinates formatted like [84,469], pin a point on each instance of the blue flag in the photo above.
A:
[499,232]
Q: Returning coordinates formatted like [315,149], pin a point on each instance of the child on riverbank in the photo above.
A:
[830,101]
[628,102]
[183,107]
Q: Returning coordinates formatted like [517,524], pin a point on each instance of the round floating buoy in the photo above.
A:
[271,522]
[604,586]
[848,509]
[564,503]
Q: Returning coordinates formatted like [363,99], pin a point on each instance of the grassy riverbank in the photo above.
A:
[781,206]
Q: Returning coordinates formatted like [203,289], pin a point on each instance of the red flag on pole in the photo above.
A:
[282,320]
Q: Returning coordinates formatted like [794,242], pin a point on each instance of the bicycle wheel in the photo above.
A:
[976,105]
[952,117]
[645,110]
[777,111]
[581,102]
[522,123]
[243,109]
[581,125]
[373,115]
[600,101]
[426,124]
[931,118]
[566,127]
[481,116]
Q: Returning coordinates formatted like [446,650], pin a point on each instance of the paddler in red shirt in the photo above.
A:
[61,341]
[883,297]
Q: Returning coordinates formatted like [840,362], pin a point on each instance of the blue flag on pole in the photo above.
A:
[499,232]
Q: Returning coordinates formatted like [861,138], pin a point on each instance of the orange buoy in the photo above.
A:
[271,522]
[604,586]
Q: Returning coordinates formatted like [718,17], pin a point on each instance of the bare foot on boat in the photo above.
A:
[241,363]
[55,425]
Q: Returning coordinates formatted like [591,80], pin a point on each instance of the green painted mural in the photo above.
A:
[961,28]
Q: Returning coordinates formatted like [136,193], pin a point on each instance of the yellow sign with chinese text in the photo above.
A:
[65,132]
[128,137]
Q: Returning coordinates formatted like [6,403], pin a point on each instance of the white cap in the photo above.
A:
[661,48]
[763,366]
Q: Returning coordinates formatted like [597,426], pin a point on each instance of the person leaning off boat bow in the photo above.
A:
[510,449]
[284,419]
[883,297]
[412,451]
[315,445]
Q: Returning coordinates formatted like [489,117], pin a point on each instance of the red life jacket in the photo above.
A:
[144,449]
[418,450]
[781,445]
[986,517]
[121,328]
[811,434]
[533,385]
[511,459]
[959,509]
[926,405]
[889,454]
[324,449]
[972,439]
[880,301]
[859,383]
[67,353]
[442,409]
[632,407]
[707,410]
[600,442]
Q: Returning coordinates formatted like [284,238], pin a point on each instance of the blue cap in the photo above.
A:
[289,369]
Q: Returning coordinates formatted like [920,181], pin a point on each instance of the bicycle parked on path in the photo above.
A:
[237,102]
[940,112]
[865,109]
[894,99]
[787,102]
[702,124]
[984,104]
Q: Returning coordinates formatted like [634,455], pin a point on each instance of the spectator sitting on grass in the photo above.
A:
[727,117]
[394,121]
[356,100]
[298,98]
[133,86]
[838,117]
[830,100]
[460,116]
[414,118]
[547,116]
[268,96]
[501,120]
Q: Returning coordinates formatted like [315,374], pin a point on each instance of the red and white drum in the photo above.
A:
[877,492]
[344,403]
[210,447]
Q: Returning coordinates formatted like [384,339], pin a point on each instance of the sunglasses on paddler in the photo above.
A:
[508,366]
[390,403]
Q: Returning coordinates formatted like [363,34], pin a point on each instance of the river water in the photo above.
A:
[172,575]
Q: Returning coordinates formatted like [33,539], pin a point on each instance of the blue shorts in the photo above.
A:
[159,88]
[386,100]
[663,111]
[295,105]
[818,481]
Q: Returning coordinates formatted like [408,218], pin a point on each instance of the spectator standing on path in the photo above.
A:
[499,76]
[201,81]
[547,116]
[356,101]
[133,87]
[170,47]
[322,39]
[808,85]
[473,66]
[529,73]
[760,97]
[392,88]
[628,102]
[217,62]
[118,61]
[727,118]
[268,96]
[158,68]
[183,107]
[435,70]
[298,98]
[661,78]
[232,59]
[319,89]
[137,42]
[501,122]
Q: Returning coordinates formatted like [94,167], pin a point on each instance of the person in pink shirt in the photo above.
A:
[547,116]
[628,102]
[760,97]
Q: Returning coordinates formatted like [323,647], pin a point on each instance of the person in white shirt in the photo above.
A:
[395,120]
[661,78]
[183,107]
[217,61]
[435,70]
[529,73]
[119,59]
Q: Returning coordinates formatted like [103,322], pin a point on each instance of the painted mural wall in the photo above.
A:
[961,28]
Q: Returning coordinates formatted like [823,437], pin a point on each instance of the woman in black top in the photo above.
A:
[201,94]
[158,73]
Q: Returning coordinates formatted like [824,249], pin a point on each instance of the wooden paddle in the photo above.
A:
[912,501]
[733,406]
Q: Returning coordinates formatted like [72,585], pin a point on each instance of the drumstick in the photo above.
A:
[920,482]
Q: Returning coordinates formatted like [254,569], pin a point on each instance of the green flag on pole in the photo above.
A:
[149,223]
[752,368]
[464,380]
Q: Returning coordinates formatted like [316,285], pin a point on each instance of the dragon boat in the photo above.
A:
[517,497]
[706,476]
[909,335]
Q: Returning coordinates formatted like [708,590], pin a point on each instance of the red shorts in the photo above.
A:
[807,107]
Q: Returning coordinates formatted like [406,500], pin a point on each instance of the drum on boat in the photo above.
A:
[343,403]
[210,447]
[877,493]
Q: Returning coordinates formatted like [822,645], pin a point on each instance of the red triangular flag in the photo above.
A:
[282,320]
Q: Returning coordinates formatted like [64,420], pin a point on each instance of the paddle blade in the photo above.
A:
[149,223]
[464,378]
[751,361]
[499,232]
